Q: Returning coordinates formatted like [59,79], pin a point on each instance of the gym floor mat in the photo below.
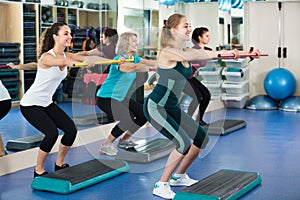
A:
[224,126]
[71,179]
[147,152]
[225,184]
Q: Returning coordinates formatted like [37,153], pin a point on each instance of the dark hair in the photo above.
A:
[112,35]
[47,41]
[86,44]
[198,32]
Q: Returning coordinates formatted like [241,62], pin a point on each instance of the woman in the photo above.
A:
[194,88]
[162,110]
[116,95]
[37,106]
[107,49]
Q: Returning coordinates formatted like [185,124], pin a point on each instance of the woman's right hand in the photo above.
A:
[235,53]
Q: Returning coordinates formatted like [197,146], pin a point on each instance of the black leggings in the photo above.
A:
[48,120]
[128,112]
[200,95]
[5,107]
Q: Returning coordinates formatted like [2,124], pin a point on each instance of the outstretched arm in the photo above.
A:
[27,66]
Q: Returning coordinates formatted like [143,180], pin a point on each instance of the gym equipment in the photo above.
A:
[250,54]
[25,142]
[291,104]
[224,126]
[80,176]
[262,102]
[98,118]
[102,62]
[224,184]
[241,55]
[147,152]
[280,83]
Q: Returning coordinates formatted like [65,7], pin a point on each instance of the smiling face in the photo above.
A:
[133,44]
[183,30]
[64,36]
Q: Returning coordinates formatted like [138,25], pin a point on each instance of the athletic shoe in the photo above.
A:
[108,149]
[126,144]
[163,189]
[184,180]
[61,167]
[36,174]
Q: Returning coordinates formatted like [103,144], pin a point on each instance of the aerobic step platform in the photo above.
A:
[80,176]
[85,120]
[147,152]
[225,184]
[25,142]
[224,126]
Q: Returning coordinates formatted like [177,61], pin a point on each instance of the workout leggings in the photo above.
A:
[176,125]
[5,107]
[128,112]
[48,120]
[200,95]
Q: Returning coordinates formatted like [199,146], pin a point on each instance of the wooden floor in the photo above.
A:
[269,144]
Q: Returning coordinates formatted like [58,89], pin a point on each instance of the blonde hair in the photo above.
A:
[166,37]
[124,42]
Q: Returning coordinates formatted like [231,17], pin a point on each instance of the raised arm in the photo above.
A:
[27,66]
[169,56]
[143,66]
[48,60]
[93,52]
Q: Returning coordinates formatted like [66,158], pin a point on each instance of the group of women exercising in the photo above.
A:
[117,96]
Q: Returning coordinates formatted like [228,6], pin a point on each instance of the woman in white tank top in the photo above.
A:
[37,106]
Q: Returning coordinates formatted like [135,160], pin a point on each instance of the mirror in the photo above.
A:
[225,20]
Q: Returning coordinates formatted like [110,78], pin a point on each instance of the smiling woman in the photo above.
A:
[37,106]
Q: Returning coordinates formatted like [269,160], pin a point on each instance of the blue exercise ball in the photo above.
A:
[261,102]
[291,104]
[280,83]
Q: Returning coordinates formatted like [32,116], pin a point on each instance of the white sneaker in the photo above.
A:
[163,189]
[184,180]
[126,144]
[108,149]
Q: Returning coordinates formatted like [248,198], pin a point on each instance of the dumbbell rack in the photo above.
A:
[9,52]
[29,43]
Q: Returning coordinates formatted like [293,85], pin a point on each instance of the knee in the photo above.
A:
[184,147]
[201,142]
[49,141]
[69,136]
[141,122]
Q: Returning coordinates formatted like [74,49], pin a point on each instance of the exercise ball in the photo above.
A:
[280,83]
[261,102]
[291,104]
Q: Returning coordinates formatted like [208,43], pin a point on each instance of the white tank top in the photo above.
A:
[44,86]
[4,95]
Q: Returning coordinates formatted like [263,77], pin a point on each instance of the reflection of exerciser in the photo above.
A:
[225,126]
[97,117]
